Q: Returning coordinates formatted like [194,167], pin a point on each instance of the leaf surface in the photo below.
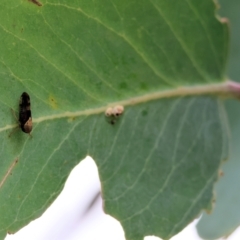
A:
[159,161]
[225,217]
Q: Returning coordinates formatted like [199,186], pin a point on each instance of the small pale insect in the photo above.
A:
[113,113]
[109,112]
[118,110]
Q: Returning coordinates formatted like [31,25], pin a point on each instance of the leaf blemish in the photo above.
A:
[123,85]
[71,119]
[36,2]
[52,102]
[144,112]
[220,173]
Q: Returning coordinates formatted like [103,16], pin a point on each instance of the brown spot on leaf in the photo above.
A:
[36,2]
[224,20]
[52,102]
[220,173]
[71,119]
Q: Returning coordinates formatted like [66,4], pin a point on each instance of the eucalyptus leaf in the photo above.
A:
[225,217]
[163,61]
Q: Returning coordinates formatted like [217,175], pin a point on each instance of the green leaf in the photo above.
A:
[225,217]
[163,60]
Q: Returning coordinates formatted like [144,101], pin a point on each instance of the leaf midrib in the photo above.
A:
[218,89]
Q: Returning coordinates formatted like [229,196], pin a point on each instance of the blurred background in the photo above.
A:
[77,213]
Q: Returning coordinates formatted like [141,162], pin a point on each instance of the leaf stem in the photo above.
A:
[227,89]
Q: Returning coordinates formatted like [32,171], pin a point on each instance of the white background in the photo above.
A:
[67,218]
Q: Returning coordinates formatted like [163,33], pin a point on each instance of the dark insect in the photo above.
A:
[25,116]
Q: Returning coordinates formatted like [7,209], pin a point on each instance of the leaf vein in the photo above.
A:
[45,165]
[50,63]
[148,158]
[124,37]
[182,44]
[79,57]
[194,10]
